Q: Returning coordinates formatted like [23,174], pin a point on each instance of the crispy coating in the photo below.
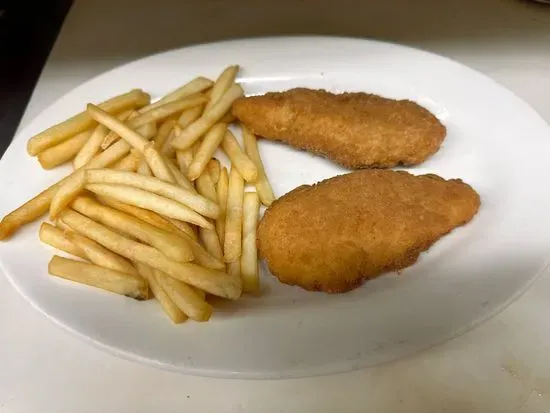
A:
[356,130]
[334,235]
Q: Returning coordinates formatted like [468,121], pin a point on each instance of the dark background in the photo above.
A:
[28,30]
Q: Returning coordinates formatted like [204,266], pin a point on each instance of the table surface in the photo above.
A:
[502,366]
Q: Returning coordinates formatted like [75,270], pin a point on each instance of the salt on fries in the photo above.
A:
[148,210]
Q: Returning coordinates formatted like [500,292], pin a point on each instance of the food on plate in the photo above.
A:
[118,282]
[141,214]
[234,217]
[334,235]
[263,187]
[249,256]
[356,130]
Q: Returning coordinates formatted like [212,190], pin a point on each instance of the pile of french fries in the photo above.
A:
[148,211]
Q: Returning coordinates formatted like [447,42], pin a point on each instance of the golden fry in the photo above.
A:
[180,178]
[112,137]
[143,199]
[210,240]
[63,152]
[193,200]
[221,190]
[206,188]
[157,163]
[79,123]
[130,285]
[197,85]
[234,217]
[238,158]
[214,169]
[263,187]
[224,82]
[249,257]
[67,192]
[184,159]
[145,215]
[129,163]
[100,255]
[206,150]
[211,281]
[56,238]
[169,244]
[185,297]
[163,133]
[209,118]
[170,308]
[91,147]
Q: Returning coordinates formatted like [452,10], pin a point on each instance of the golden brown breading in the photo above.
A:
[356,130]
[333,235]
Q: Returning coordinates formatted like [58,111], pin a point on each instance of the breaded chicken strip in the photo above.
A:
[334,235]
[356,130]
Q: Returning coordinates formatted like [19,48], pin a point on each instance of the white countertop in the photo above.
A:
[502,366]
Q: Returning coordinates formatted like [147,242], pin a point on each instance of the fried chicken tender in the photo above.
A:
[356,130]
[334,235]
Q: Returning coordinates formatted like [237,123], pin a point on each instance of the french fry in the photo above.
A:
[143,199]
[234,269]
[130,285]
[148,131]
[56,238]
[206,150]
[224,82]
[163,133]
[238,158]
[111,137]
[263,187]
[134,123]
[221,190]
[206,188]
[171,245]
[143,168]
[114,153]
[100,255]
[234,217]
[79,123]
[210,240]
[170,308]
[180,178]
[198,203]
[63,152]
[145,215]
[167,110]
[185,297]
[67,192]
[186,118]
[158,165]
[209,118]
[91,147]
[184,159]
[184,227]
[212,281]
[249,257]
[29,211]
[39,205]
[126,132]
[195,86]
[214,169]
[129,163]
[189,116]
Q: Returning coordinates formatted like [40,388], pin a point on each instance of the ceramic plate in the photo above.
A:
[495,142]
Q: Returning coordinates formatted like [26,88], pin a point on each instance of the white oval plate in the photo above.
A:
[495,142]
